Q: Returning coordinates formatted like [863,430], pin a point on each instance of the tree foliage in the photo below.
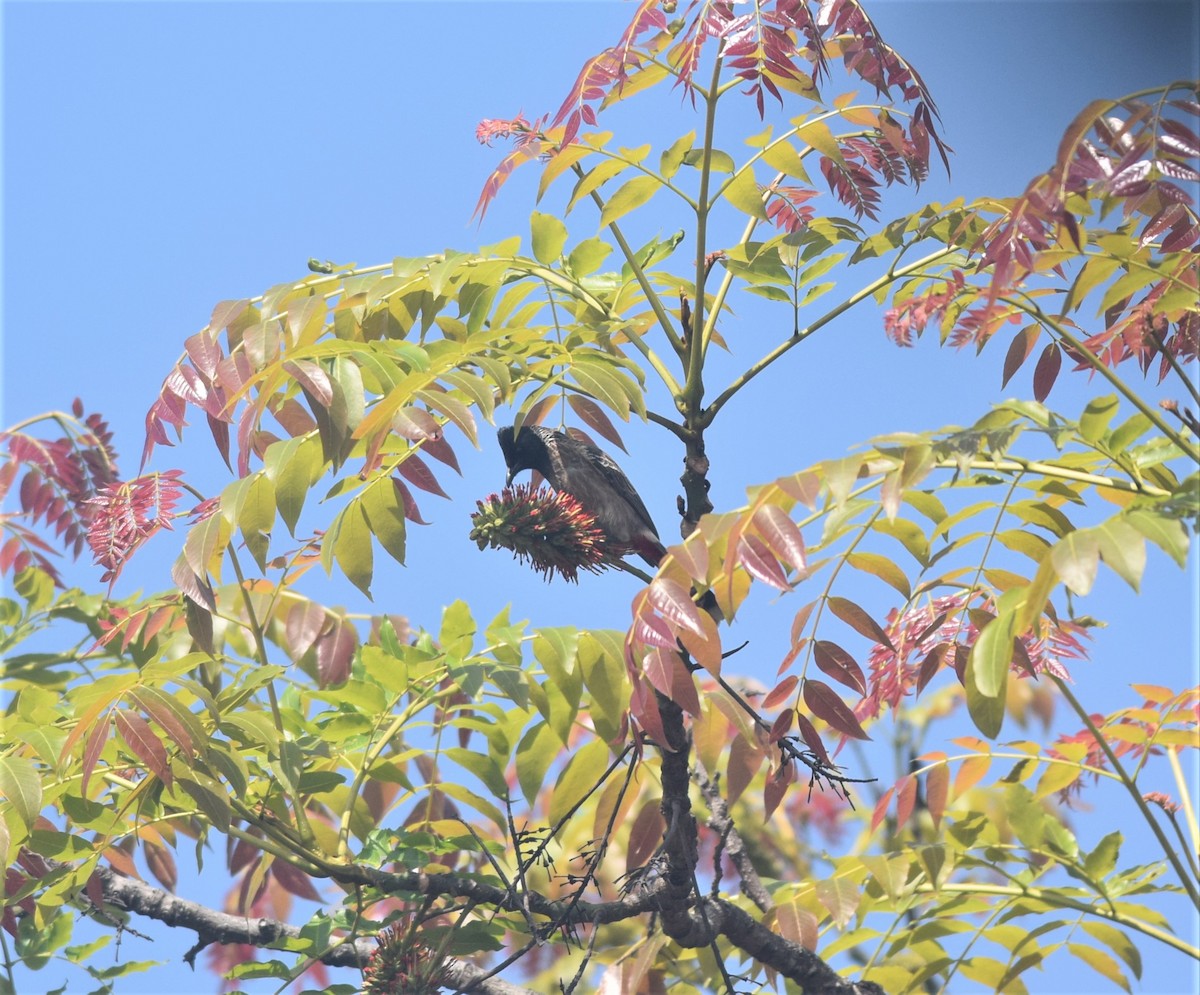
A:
[489,805]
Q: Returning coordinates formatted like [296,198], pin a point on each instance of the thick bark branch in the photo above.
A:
[721,822]
[213,926]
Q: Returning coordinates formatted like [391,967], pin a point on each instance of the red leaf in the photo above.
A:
[931,665]
[161,864]
[1022,345]
[415,424]
[811,737]
[645,835]
[147,747]
[752,553]
[782,725]
[781,535]
[859,621]
[411,511]
[295,881]
[441,450]
[653,630]
[160,707]
[593,415]
[304,623]
[1046,371]
[840,665]
[827,704]
[414,470]
[937,787]
[313,379]
[906,797]
[781,692]
[675,604]
[92,750]
[335,650]
[776,787]
[881,808]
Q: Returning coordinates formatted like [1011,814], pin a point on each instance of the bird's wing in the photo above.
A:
[616,479]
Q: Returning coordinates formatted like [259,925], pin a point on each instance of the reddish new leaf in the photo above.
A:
[147,747]
[931,665]
[937,788]
[862,623]
[811,737]
[776,787]
[753,554]
[1022,345]
[881,807]
[417,473]
[645,835]
[780,693]
[781,535]
[161,864]
[593,415]
[906,797]
[92,750]
[1046,371]
[295,881]
[335,651]
[675,604]
[840,665]
[827,705]
[782,725]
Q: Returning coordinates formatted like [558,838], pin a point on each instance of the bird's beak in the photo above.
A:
[509,478]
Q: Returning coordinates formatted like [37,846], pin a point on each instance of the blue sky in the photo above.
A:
[161,157]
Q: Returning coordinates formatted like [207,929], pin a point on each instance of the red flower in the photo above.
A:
[549,528]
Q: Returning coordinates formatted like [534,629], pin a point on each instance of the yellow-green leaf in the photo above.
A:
[630,195]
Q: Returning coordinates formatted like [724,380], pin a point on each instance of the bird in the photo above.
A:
[592,478]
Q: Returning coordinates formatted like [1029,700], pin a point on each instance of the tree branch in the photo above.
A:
[213,926]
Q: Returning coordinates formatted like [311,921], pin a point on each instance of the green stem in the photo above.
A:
[1100,367]
[1014,464]
[869,290]
[1055,898]
[1169,851]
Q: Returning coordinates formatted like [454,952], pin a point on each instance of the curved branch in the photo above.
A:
[213,926]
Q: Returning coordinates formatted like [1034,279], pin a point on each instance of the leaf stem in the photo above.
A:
[869,290]
[1169,851]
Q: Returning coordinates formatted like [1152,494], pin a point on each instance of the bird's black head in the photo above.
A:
[523,450]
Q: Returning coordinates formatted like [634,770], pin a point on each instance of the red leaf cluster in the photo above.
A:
[125,514]
[58,479]
[923,639]
[1127,156]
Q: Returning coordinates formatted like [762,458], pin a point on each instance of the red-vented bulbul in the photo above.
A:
[591,478]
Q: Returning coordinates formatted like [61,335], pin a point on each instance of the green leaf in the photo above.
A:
[672,158]
[1101,862]
[579,777]
[783,157]
[293,466]
[1026,816]
[1100,962]
[1123,548]
[743,193]
[549,237]
[992,655]
[535,753]
[1116,941]
[588,256]
[987,712]
[348,541]
[1075,558]
[1164,531]
[629,196]
[21,785]
[1096,416]
[883,568]
[384,511]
